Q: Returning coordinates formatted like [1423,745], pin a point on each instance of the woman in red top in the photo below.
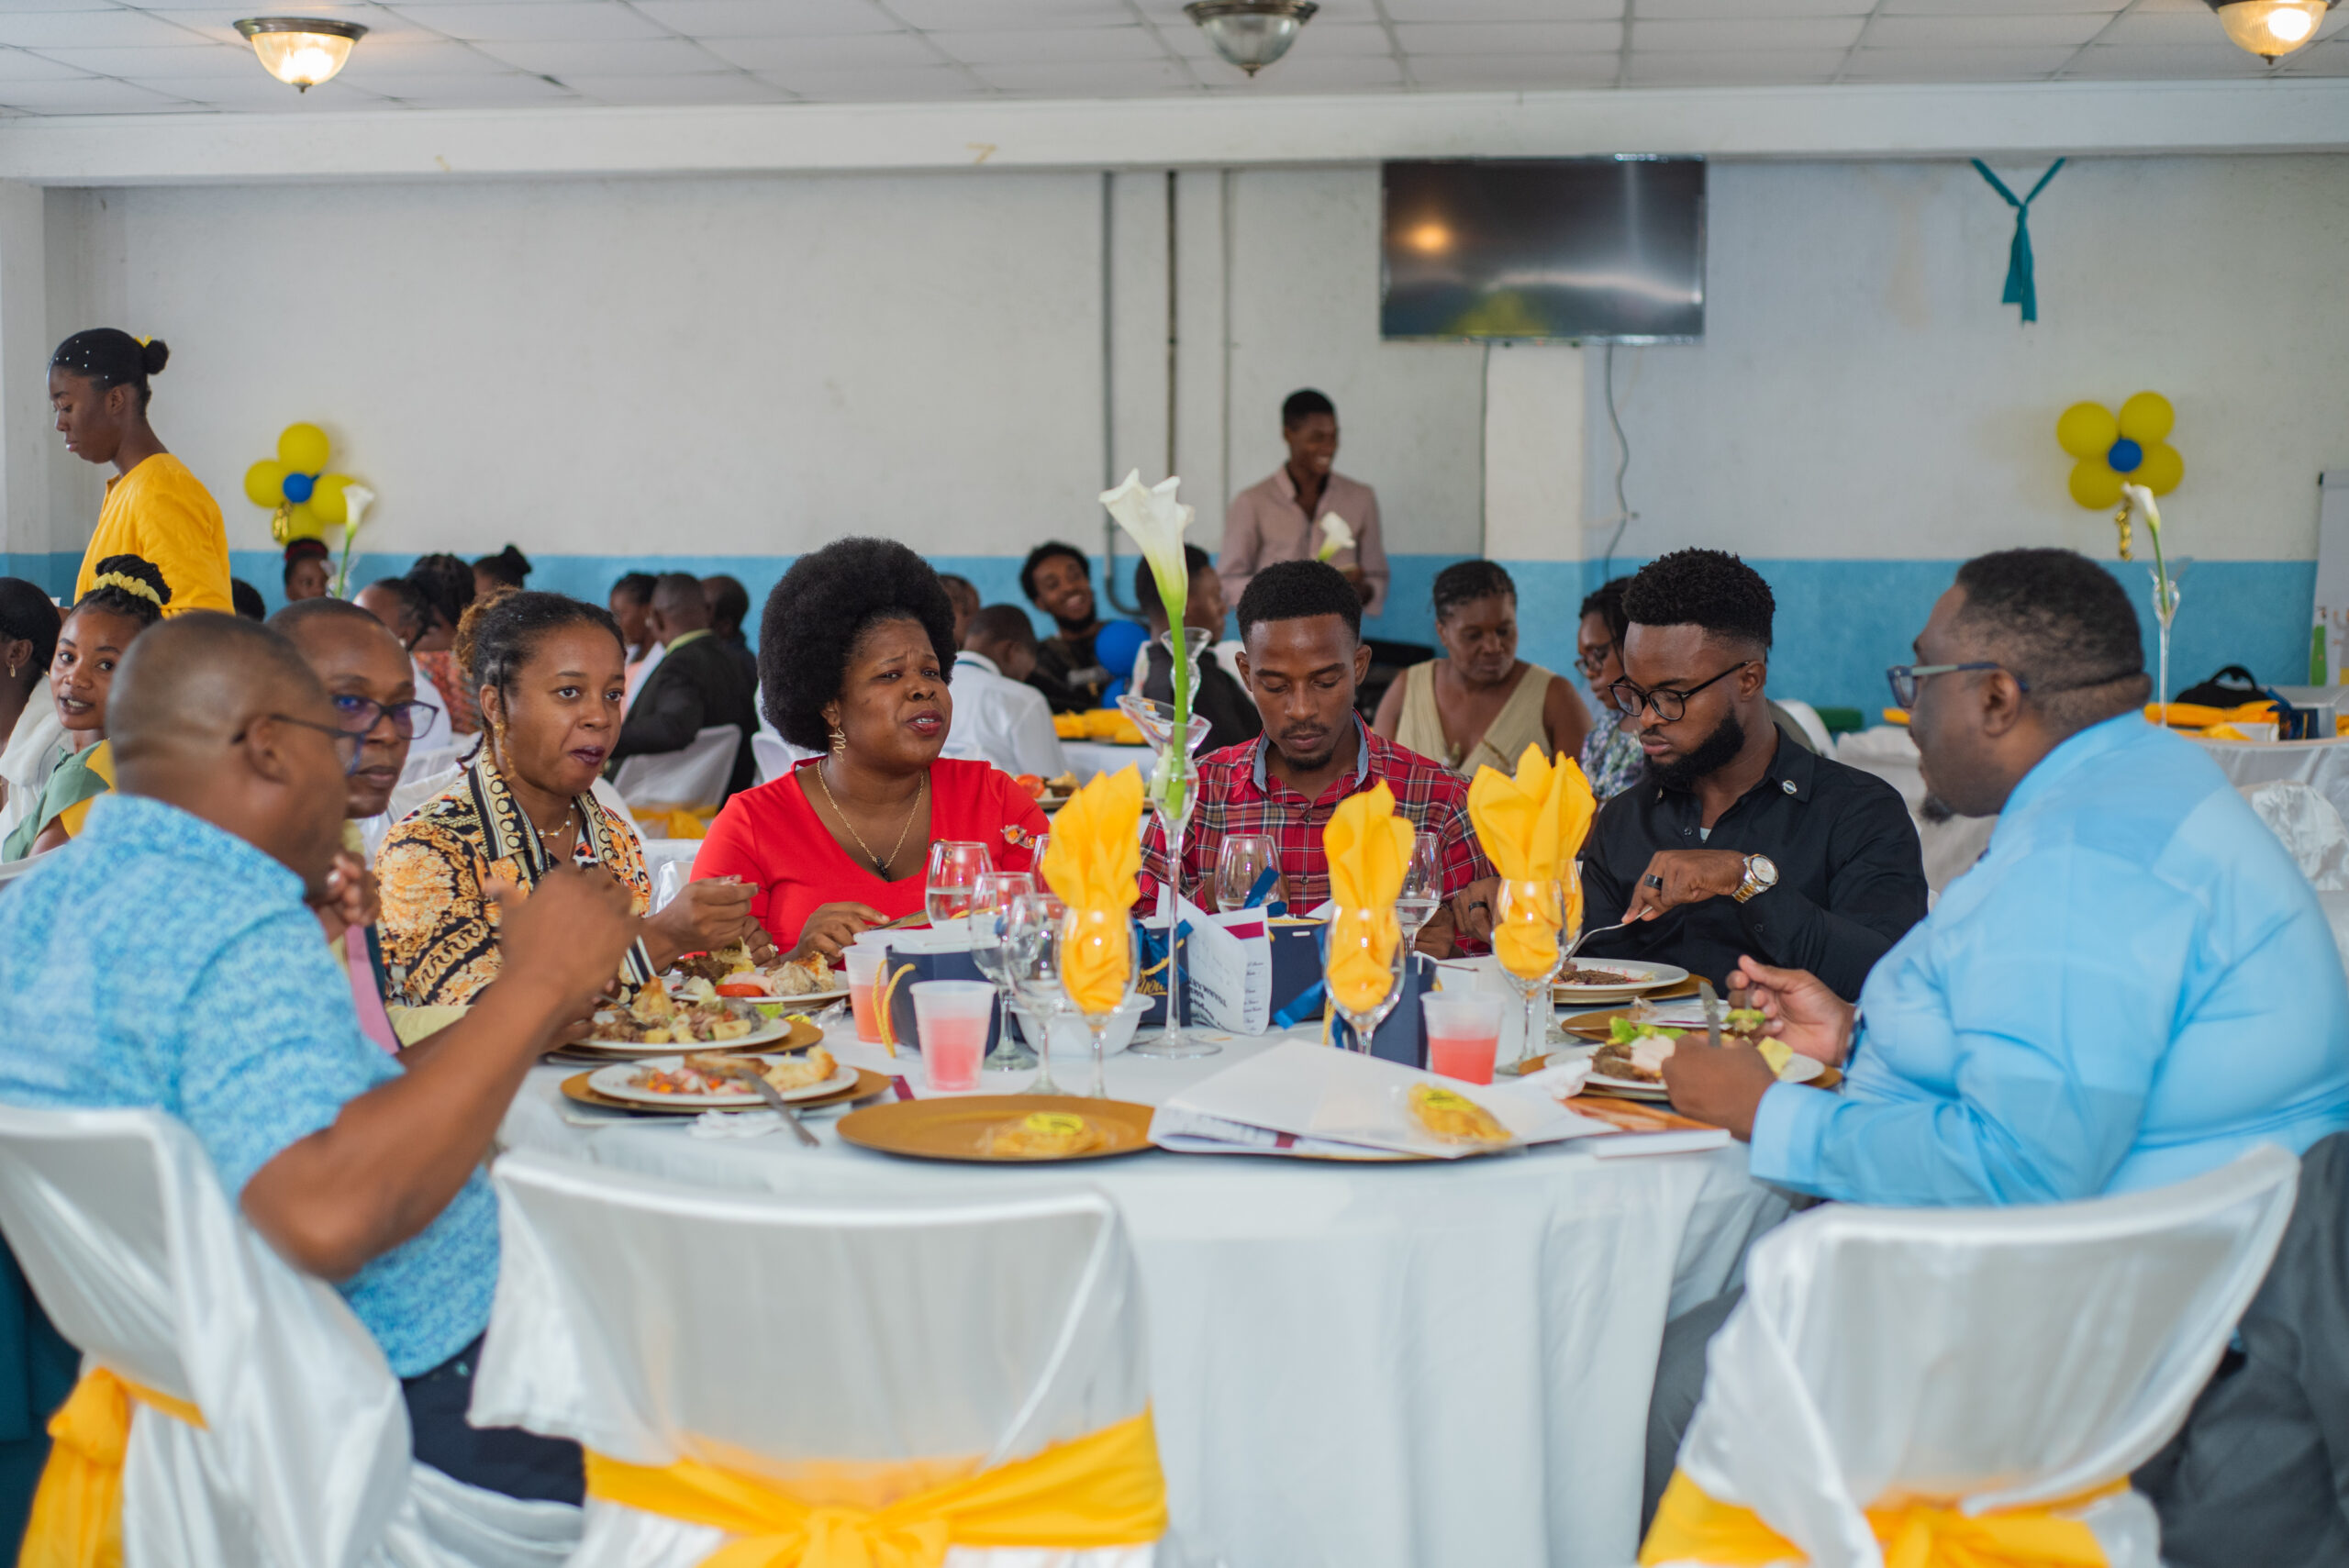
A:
[853,652]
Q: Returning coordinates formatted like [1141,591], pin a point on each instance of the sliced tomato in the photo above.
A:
[741,990]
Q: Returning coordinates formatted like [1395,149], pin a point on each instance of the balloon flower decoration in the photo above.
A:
[305,499]
[2126,459]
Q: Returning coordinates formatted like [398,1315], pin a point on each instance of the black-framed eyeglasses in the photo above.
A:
[345,742]
[1669,704]
[1907,679]
[360,715]
[1591,663]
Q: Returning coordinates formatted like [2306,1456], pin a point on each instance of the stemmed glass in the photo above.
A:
[991,900]
[1092,937]
[1173,794]
[955,868]
[1239,865]
[1422,888]
[1352,931]
[1031,958]
[1531,938]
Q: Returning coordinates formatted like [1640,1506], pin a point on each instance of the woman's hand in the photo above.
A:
[711,913]
[1802,1011]
[834,926]
[353,897]
[569,934]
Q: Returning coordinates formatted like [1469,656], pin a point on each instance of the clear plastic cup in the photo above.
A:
[1464,1033]
[951,1020]
[864,971]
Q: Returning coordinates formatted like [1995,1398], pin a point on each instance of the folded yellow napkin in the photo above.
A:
[1369,849]
[2201,716]
[1531,827]
[1091,864]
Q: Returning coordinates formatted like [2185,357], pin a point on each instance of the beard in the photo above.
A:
[1712,754]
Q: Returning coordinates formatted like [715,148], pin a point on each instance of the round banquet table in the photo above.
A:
[1087,758]
[1414,1365]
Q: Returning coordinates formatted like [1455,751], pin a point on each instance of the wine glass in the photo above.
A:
[1031,958]
[1356,930]
[955,868]
[1530,939]
[1102,942]
[991,900]
[1422,888]
[1243,860]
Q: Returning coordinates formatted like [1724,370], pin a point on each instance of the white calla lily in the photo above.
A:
[1337,534]
[1155,521]
[356,499]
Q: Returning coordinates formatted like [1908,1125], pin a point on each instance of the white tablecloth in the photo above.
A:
[1086,758]
[1407,1365]
[2321,764]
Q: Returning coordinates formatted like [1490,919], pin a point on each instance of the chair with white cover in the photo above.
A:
[776,756]
[302,1458]
[849,1353]
[692,779]
[1974,1360]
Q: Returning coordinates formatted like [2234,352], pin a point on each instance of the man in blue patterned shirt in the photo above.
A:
[171,956]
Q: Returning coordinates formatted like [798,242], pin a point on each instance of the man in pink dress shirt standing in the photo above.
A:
[1280,519]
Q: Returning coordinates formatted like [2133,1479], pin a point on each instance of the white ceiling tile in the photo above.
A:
[767,19]
[1356,38]
[930,84]
[91,29]
[717,87]
[2177,30]
[858,52]
[1169,18]
[971,15]
[191,60]
[1529,72]
[1491,38]
[1955,64]
[88,96]
[570,21]
[2068,28]
[1335,73]
[380,25]
[1465,11]
[438,57]
[1047,45]
[1747,33]
[1751,10]
[1103,79]
[2330,59]
[260,91]
[650,57]
[56,6]
[2131,63]
[2008,7]
[1693,67]
[15,65]
[468,92]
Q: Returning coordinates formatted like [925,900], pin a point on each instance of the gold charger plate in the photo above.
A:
[867,1085]
[952,1128]
[1668,994]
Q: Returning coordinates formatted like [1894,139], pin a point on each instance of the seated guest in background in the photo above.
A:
[1300,625]
[697,684]
[1739,841]
[444,591]
[1612,757]
[32,738]
[396,602]
[127,597]
[1224,702]
[306,569]
[2132,986]
[1058,580]
[246,599]
[1481,706]
[730,606]
[631,602]
[548,669]
[493,574]
[852,664]
[169,959]
[998,719]
[965,600]
[1280,518]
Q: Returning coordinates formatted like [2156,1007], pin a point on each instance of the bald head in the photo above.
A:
[204,676]
[678,607]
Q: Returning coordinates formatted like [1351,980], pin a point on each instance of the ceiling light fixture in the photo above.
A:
[2270,28]
[301,51]
[1252,34]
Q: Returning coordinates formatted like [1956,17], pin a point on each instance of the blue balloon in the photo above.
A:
[299,485]
[1115,645]
[2125,456]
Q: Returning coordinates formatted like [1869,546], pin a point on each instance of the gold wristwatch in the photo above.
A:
[1761,876]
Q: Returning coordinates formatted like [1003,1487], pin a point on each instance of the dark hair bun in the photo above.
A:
[146,608]
[139,566]
[155,355]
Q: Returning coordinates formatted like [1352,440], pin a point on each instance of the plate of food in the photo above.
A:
[1631,1062]
[701,1079]
[1049,793]
[1017,1129]
[1612,980]
[654,1023]
[729,972]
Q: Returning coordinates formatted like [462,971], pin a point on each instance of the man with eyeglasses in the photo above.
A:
[1738,841]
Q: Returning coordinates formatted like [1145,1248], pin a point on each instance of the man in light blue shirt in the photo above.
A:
[2132,986]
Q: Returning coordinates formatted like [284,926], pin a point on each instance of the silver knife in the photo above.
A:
[1712,1013]
[748,1073]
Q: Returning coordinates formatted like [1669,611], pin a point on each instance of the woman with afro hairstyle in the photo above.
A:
[854,650]
[127,597]
[154,508]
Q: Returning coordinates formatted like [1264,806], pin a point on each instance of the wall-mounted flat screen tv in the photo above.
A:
[1545,247]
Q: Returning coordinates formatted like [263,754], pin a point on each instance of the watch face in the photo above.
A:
[1763,870]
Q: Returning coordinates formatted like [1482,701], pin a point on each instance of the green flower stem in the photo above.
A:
[1176,603]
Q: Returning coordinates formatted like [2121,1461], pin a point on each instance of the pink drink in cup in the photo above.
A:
[951,1020]
[863,970]
[1463,1034]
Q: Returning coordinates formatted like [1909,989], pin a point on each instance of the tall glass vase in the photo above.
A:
[2164,575]
[1172,795]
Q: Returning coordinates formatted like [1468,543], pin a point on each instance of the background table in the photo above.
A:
[1418,1366]
[1086,758]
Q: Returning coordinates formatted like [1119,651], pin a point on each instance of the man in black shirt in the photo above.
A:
[1229,711]
[1058,580]
[697,684]
[1739,842]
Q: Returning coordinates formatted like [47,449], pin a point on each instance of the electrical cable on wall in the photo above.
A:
[1623,513]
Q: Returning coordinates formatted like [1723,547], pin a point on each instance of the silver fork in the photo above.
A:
[744,1071]
[1576,946]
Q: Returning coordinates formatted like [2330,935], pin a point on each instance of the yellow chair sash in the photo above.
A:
[1102,1489]
[77,1513]
[1693,1528]
[666,821]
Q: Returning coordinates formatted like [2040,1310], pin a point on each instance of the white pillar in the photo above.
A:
[24,357]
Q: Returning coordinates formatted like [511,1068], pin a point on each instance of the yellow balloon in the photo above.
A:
[303,448]
[2161,470]
[265,484]
[2094,485]
[326,500]
[2086,430]
[2146,418]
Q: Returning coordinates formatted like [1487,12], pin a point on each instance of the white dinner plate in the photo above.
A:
[765,1031]
[1799,1069]
[1640,978]
[620,1081]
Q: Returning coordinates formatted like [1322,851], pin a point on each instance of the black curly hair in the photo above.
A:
[1195,561]
[821,610]
[1708,588]
[110,357]
[1044,552]
[1292,589]
[129,602]
[1466,581]
[2064,624]
[508,566]
[28,615]
[1606,602]
[497,637]
[444,587]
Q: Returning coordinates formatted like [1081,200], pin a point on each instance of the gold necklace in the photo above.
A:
[880,866]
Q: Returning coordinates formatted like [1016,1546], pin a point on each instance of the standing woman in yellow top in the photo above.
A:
[155,508]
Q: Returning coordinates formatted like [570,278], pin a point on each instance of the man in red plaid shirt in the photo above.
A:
[1300,628]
